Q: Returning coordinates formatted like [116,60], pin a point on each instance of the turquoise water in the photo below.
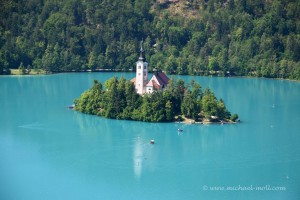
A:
[50,152]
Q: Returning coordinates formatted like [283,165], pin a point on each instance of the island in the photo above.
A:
[158,100]
[118,99]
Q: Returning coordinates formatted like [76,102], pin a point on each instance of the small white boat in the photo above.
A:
[180,130]
[71,106]
[152,141]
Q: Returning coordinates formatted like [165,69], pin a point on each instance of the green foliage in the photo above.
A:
[189,106]
[119,100]
[191,103]
[234,117]
[209,104]
[223,38]
[22,69]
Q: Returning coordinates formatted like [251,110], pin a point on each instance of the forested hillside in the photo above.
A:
[196,37]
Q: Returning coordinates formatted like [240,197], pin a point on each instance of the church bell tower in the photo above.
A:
[141,73]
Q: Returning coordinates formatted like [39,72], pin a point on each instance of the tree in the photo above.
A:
[178,36]
[112,106]
[92,64]
[169,111]
[22,69]
[234,117]
[171,65]
[209,104]
[222,112]
[213,64]
[189,105]
[3,64]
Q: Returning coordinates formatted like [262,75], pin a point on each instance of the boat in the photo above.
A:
[152,141]
[180,130]
[71,106]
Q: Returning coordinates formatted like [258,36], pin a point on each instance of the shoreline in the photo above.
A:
[205,121]
[34,72]
[186,121]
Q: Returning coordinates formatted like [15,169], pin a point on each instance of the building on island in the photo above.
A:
[158,81]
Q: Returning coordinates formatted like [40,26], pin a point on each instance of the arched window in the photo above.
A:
[139,67]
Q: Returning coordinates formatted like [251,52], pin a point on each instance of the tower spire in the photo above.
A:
[142,45]
[142,56]
[141,78]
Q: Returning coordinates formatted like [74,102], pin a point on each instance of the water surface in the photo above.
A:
[50,152]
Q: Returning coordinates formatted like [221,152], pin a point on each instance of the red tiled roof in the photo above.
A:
[161,78]
[153,84]
[133,80]
[150,83]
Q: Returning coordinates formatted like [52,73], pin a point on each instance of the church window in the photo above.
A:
[139,74]
[139,67]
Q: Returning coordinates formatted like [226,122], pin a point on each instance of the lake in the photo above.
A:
[50,152]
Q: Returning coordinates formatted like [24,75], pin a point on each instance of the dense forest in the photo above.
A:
[119,100]
[196,37]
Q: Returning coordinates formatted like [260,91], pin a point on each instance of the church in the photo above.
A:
[158,81]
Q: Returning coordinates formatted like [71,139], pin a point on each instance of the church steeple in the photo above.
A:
[142,55]
[141,78]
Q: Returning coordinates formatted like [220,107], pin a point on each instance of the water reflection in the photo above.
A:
[138,157]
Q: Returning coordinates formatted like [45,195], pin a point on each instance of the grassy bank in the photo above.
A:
[27,72]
